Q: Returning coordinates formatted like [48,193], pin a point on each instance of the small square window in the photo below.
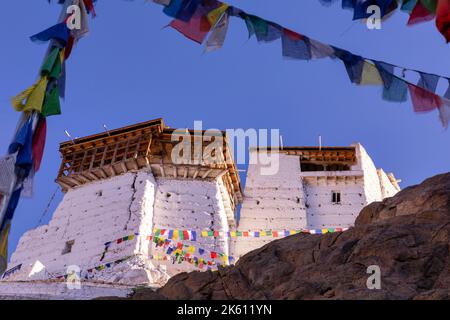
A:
[336,197]
[68,247]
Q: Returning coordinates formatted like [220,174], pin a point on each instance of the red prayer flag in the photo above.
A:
[293,35]
[185,234]
[423,100]
[213,255]
[420,14]
[90,6]
[275,234]
[196,28]
[39,143]
[69,47]
[216,234]
[443,18]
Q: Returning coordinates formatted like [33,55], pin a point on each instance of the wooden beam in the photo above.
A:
[206,174]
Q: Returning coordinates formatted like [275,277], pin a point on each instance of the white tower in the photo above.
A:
[314,188]
[120,186]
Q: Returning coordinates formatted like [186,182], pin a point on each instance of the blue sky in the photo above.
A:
[129,70]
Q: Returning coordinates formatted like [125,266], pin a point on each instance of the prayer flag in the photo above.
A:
[215,15]
[7,175]
[295,46]
[353,64]
[423,100]
[420,13]
[370,75]
[397,91]
[196,28]
[52,105]
[39,143]
[218,35]
[443,18]
[444,112]
[58,32]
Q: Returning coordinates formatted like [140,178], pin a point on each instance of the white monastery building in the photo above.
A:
[123,192]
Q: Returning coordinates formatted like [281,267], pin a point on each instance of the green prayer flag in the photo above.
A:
[49,63]
[408,5]
[56,70]
[260,26]
[51,105]
[210,233]
[251,29]
[430,5]
[238,234]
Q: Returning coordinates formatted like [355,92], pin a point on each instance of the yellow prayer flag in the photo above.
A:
[233,234]
[262,234]
[215,14]
[36,99]
[370,75]
[175,234]
[191,249]
[62,55]
[204,234]
[292,232]
[324,231]
[18,100]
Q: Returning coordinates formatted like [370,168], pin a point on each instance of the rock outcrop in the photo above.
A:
[407,236]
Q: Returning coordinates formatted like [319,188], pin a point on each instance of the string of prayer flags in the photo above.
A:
[191,249]
[238,233]
[11,271]
[37,102]
[361,70]
[419,11]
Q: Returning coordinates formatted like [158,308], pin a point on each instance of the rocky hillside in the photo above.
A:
[407,236]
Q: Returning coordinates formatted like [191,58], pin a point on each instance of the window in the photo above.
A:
[336,197]
[68,247]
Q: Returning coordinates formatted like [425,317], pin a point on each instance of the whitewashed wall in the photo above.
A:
[387,188]
[322,212]
[92,215]
[271,202]
[191,205]
[372,186]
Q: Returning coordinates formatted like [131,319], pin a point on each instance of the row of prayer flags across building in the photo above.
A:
[195,19]
[179,234]
[159,241]
[178,252]
[418,10]
[189,249]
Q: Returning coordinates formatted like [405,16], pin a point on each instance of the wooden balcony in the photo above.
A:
[144,146]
